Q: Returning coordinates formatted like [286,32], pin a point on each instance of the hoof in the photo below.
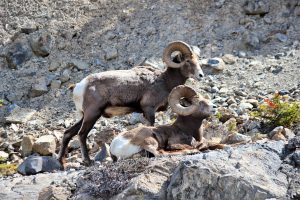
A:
[63,163]
[87,163]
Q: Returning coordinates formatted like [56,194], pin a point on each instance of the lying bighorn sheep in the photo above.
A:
[168,139]
[143,89]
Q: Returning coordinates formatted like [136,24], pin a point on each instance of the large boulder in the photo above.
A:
[248,172]
[18,53]
[45,145]
[38,164]
[20,115]
[251,171]
[52,192]
[41,44]
[27,144]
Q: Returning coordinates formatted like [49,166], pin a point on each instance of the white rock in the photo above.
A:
[3,155]
[27,144]
[229,59]
[81,65]
[45,145]
[55,84]
[39,88]
[245,105]
[216,63]
[20,115]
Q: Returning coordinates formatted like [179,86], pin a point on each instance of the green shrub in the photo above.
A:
[7,169]
[278,111]
[1,102]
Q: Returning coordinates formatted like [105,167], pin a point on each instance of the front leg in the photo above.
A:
[150,102]
[149,114]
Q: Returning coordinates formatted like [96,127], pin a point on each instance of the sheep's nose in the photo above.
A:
[201,75]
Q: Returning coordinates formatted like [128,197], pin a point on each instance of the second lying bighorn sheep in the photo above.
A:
[144,89]
[177,138]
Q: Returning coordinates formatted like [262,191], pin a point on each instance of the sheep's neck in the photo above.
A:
[189,125]
[173,77]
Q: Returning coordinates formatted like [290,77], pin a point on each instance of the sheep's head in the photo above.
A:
[180,55]
[185,101]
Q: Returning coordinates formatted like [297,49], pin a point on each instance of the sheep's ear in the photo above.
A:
[178,58]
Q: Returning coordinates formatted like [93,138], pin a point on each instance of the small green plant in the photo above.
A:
[7,169]
[278,111]
[232,127]
[218,115]
[1,102]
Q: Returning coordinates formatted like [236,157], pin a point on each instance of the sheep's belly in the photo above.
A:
[122,148]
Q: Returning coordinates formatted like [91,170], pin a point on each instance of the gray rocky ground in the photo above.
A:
[47,45]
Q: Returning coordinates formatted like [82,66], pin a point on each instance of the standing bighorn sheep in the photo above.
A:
[143,89]
[168,139]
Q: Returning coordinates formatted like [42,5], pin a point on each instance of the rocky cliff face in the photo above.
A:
[253,171]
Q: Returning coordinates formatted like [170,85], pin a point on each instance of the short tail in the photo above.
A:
[71,87]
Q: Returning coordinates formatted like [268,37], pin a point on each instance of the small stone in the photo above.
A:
[257,84]
[106,136]
[242,54]
[276,69]
[53,192]
[283,92]
[81,65]
[294,143]
[29,28]
[229,59]
[104,154]
[54,65]
[276,130]
[3,156]
[214,89]
[246,106]
[135,118]
[256,7]
[27,144]
[65,76]
[231,100]
[279,55]
[226,114]
[281,37]
[278,136]
[236,138]
[111,53]
[240,93]
[55,84]
[296,158]
[18,53]
[68,122]
[223,90]
[38,164]
[75,144]
[39,88]
[254,102]
[288,133]
[45,145]
[41,44]
[20,115]
[216,63]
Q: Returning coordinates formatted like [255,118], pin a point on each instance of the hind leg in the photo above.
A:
[68,135]
[90,118]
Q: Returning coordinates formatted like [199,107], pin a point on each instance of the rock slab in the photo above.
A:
[38,164]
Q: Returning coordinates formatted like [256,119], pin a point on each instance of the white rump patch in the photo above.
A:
[122,148]
[78,94]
